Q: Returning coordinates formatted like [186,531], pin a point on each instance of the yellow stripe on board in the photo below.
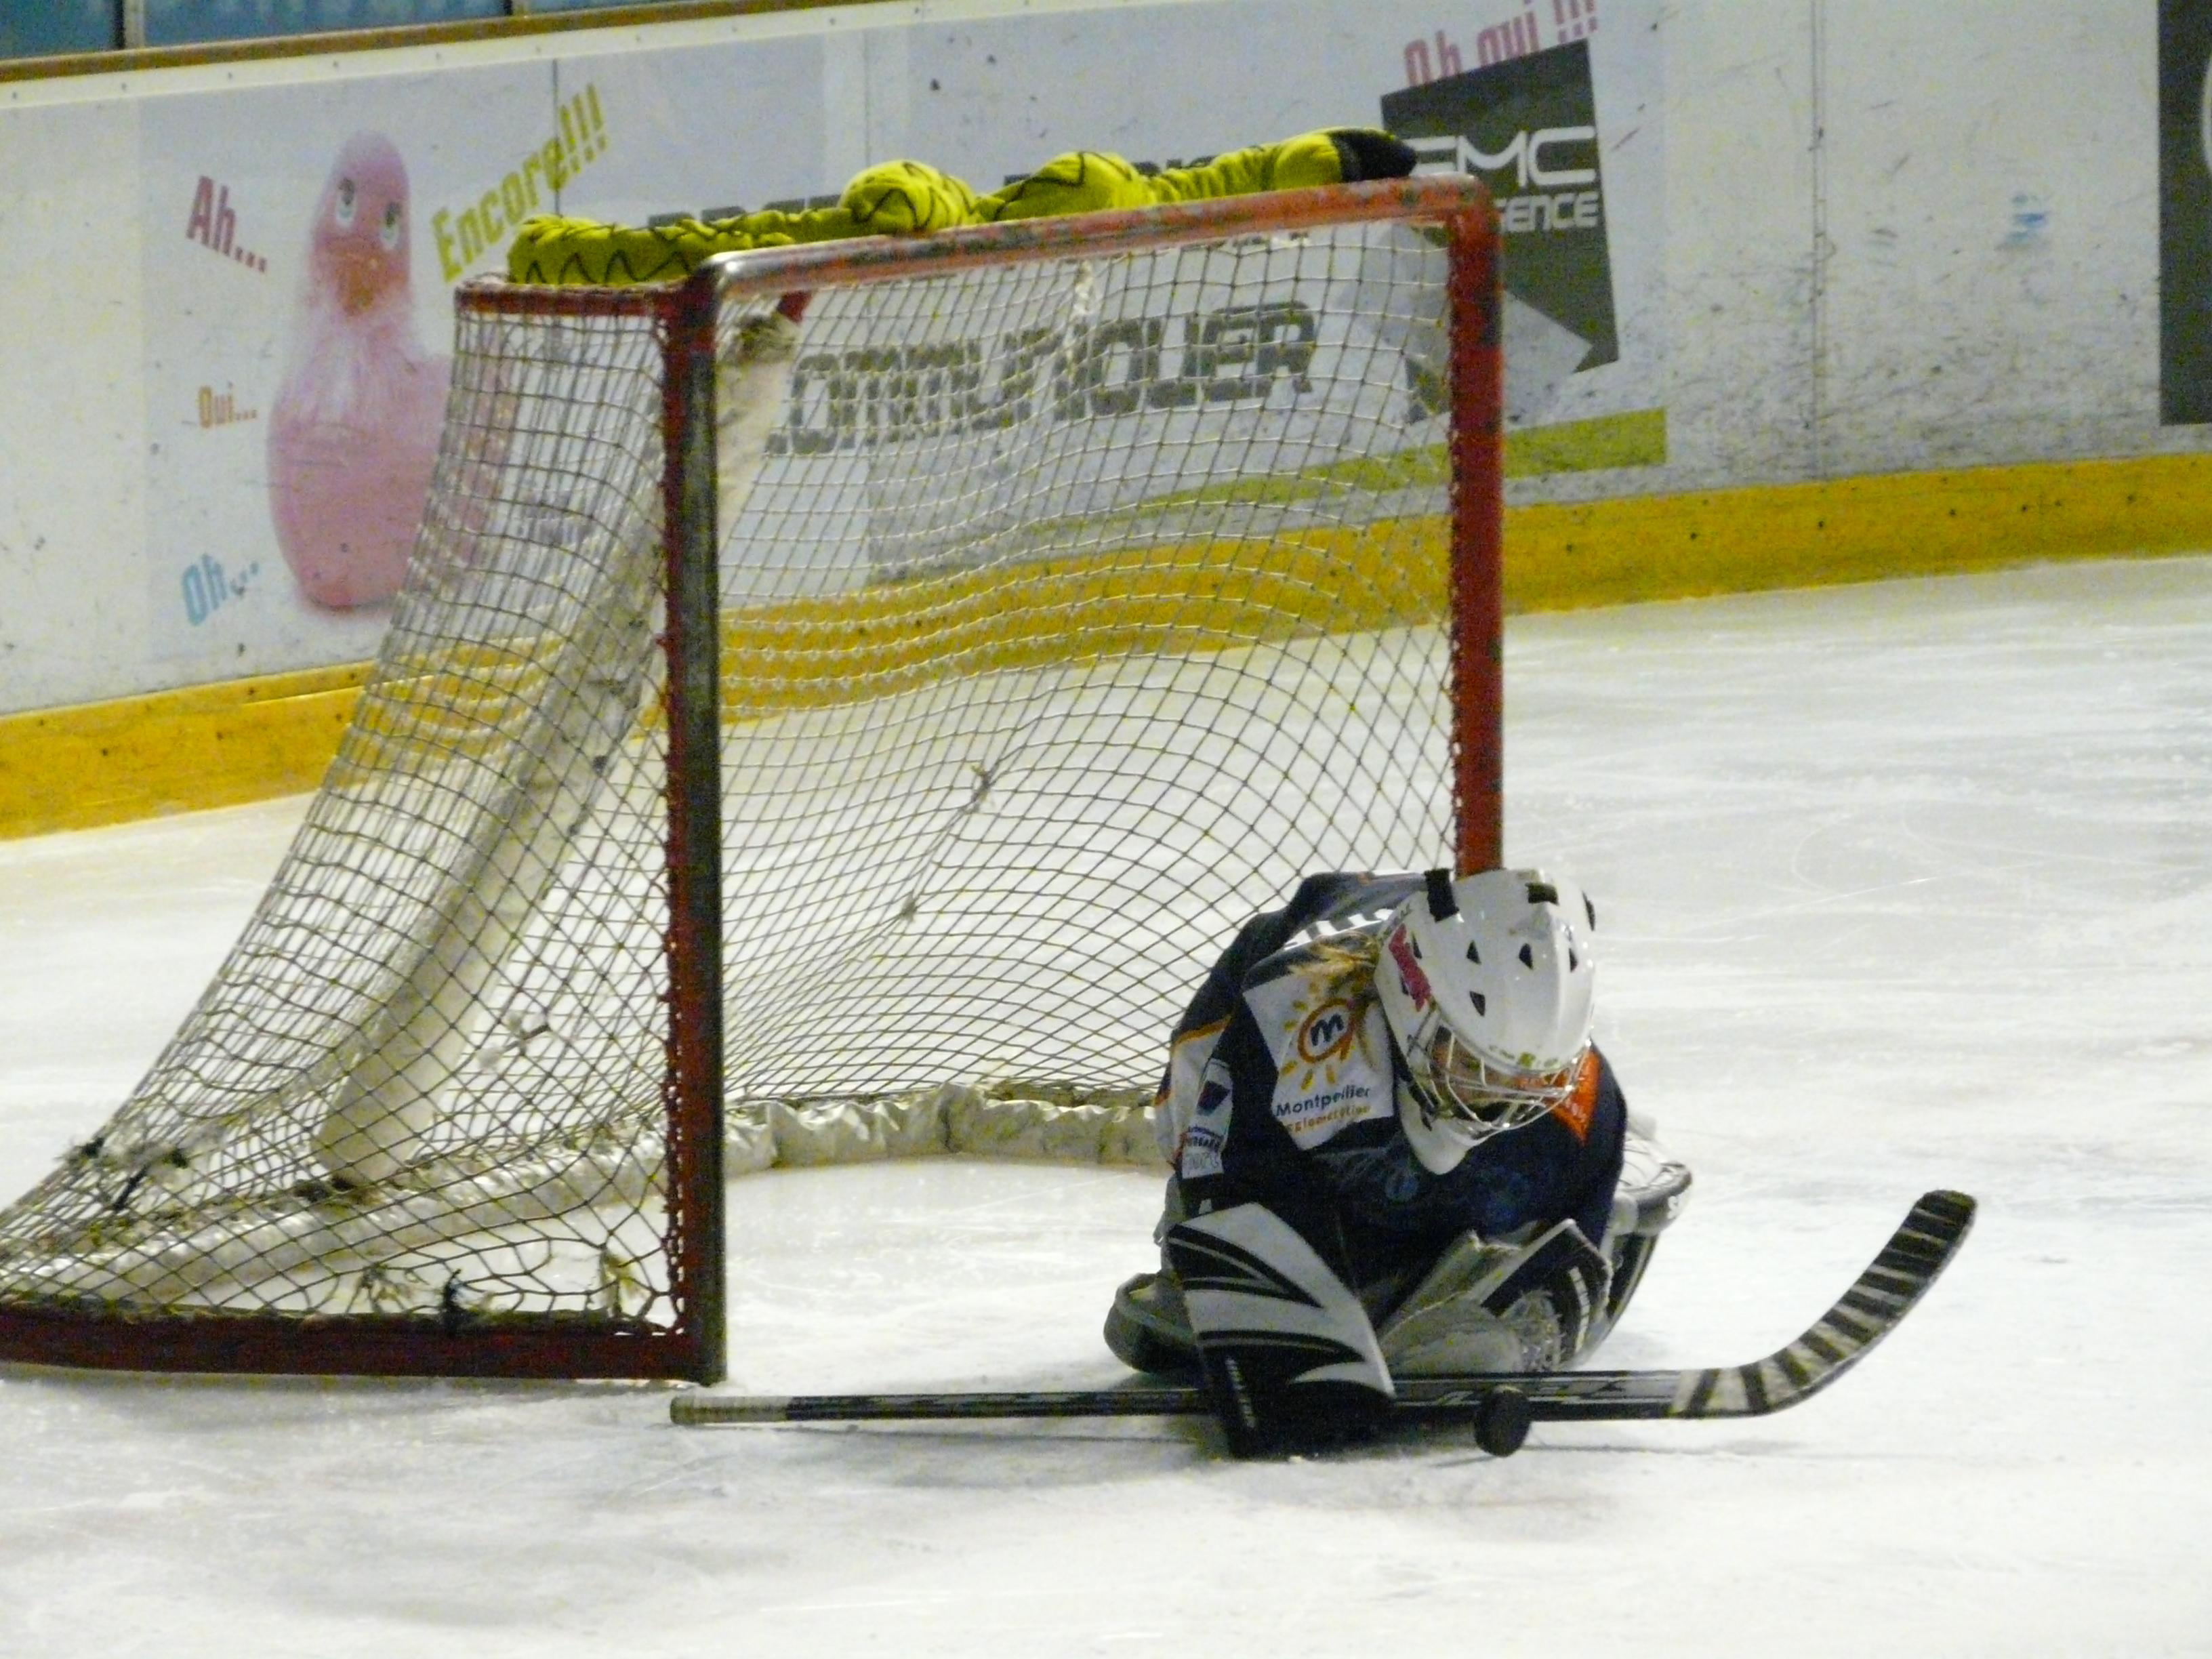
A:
[1854,529]
[249,740]
[172,751]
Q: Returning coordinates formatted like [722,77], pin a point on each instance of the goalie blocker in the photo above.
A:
[1289,1356]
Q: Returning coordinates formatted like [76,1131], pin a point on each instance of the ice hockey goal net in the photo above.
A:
[855,670]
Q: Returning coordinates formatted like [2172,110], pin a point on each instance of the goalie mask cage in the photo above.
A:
[920,694]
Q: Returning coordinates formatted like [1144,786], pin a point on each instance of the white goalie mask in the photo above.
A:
[1487,985]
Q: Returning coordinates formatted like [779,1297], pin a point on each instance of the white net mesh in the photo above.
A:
[1082,607]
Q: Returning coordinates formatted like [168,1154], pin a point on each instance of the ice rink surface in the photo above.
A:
[1901,886]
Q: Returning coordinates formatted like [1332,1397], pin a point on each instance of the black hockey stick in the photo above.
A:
[1500,1405]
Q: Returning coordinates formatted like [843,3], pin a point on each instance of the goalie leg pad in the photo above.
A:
[1289,1357]
[1148,1327]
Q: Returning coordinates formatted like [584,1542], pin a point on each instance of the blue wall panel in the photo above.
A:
[36,29]
[180,22]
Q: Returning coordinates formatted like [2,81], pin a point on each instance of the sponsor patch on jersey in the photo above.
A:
[1576,1110]
[1202,1153]
[1326,1071]
[1198,1154]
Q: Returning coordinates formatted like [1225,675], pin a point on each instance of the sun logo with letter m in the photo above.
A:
[1326,1034]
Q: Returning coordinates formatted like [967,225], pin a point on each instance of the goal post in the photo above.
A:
[869,677]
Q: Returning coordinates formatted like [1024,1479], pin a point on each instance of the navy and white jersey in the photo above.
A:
[1284,1087]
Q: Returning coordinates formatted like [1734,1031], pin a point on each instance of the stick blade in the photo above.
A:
[1875,1305]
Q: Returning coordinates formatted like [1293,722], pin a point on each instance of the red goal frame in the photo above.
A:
[684,316]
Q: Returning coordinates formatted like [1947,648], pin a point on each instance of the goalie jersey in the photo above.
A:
[1284,1087]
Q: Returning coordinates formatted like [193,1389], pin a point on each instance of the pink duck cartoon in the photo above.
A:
[354,429]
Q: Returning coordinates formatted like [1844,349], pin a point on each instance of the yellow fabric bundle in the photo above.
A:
[905,198]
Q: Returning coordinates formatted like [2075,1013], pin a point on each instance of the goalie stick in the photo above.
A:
[1500,1405]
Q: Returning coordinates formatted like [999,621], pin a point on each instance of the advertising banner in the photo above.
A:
[1123,384]
[1525,96]
[1164,87]
[302,242]
[1527,127]
[301,246]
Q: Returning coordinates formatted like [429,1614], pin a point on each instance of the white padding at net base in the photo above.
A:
[1110,1127]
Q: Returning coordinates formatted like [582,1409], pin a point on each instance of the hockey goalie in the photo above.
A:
[1395,1152]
